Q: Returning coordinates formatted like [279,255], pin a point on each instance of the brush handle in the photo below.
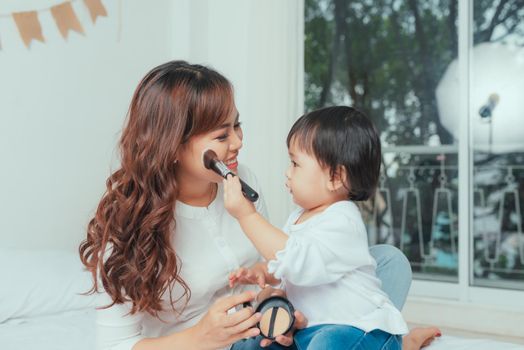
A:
[222,170]
[248,192]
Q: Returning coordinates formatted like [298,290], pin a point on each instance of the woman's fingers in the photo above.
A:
[265,342]
[250,333]
[286,340]
[244,323]
[227,303]
[300,320]
[238,316]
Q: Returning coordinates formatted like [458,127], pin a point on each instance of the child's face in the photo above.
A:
[307,180]
[225,141]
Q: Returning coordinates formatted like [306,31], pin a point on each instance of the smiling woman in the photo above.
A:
[161,244]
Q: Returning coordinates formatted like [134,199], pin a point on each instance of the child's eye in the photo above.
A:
[294,163]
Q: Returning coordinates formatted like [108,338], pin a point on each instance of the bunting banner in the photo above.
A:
[28,26]
[66,19]
[64,16]
[96,9]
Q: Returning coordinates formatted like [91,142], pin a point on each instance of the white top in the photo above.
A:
[210,244]
[329,274]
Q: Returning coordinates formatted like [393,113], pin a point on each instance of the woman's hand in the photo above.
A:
[234,201]
[300,319]
[256,274]
[218,329]
[287,339]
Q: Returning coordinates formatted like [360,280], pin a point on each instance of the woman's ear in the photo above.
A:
[339,180]
[179,151]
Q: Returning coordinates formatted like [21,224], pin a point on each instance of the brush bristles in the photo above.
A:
[207,157]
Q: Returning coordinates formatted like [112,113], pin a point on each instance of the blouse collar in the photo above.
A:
[192,212]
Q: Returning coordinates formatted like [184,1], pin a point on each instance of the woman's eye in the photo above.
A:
[237,125]
[223,137]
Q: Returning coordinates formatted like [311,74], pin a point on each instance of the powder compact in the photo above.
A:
[278,316]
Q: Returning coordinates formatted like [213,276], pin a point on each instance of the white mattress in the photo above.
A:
[73,330]
[457,343]
[76,331]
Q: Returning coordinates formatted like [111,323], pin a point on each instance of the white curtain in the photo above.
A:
[258,45]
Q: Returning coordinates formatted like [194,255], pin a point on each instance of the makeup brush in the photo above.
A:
[211,162]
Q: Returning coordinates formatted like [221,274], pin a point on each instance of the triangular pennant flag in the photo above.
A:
[96,8]
[28,26]
[66,19]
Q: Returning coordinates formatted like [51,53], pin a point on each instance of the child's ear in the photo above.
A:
[338,180]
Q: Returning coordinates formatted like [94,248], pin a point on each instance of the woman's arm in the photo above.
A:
[186,339]
[117,330]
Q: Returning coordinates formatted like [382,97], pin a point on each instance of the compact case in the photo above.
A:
[278,316]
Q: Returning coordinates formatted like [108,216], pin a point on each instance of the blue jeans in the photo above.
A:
[394,270]
[342,337]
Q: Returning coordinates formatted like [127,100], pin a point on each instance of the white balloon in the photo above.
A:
[497,89]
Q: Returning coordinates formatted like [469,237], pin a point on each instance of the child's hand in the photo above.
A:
[234,201]
[254,275]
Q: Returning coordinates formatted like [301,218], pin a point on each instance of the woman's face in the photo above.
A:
[225,141]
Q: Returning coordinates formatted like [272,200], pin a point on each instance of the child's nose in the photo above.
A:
[287,174]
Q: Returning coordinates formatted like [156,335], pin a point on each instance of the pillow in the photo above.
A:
[37,283]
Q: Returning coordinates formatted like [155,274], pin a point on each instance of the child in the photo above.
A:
[321,256]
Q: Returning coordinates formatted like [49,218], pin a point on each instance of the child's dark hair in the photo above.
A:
[342,136]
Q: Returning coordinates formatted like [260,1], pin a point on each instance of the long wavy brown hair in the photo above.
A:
[129,241]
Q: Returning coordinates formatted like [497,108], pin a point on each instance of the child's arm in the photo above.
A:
[335,246]
[265,237]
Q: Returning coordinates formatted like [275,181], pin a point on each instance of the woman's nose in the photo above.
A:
[236,141]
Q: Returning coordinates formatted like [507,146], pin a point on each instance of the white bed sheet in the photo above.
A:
[447,342]
[75,330]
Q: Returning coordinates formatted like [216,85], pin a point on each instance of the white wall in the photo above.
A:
[258,45]
[62,104]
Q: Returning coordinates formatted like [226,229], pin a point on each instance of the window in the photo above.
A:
[398,61]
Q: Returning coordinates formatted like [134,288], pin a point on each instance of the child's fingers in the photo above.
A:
[241,271]
[233,182]
[226,189]
[261,281]
[236,183]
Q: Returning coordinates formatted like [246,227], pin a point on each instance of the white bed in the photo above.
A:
[41,309]
[66,331]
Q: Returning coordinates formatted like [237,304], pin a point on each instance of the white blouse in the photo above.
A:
[210,244]
[329,274]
